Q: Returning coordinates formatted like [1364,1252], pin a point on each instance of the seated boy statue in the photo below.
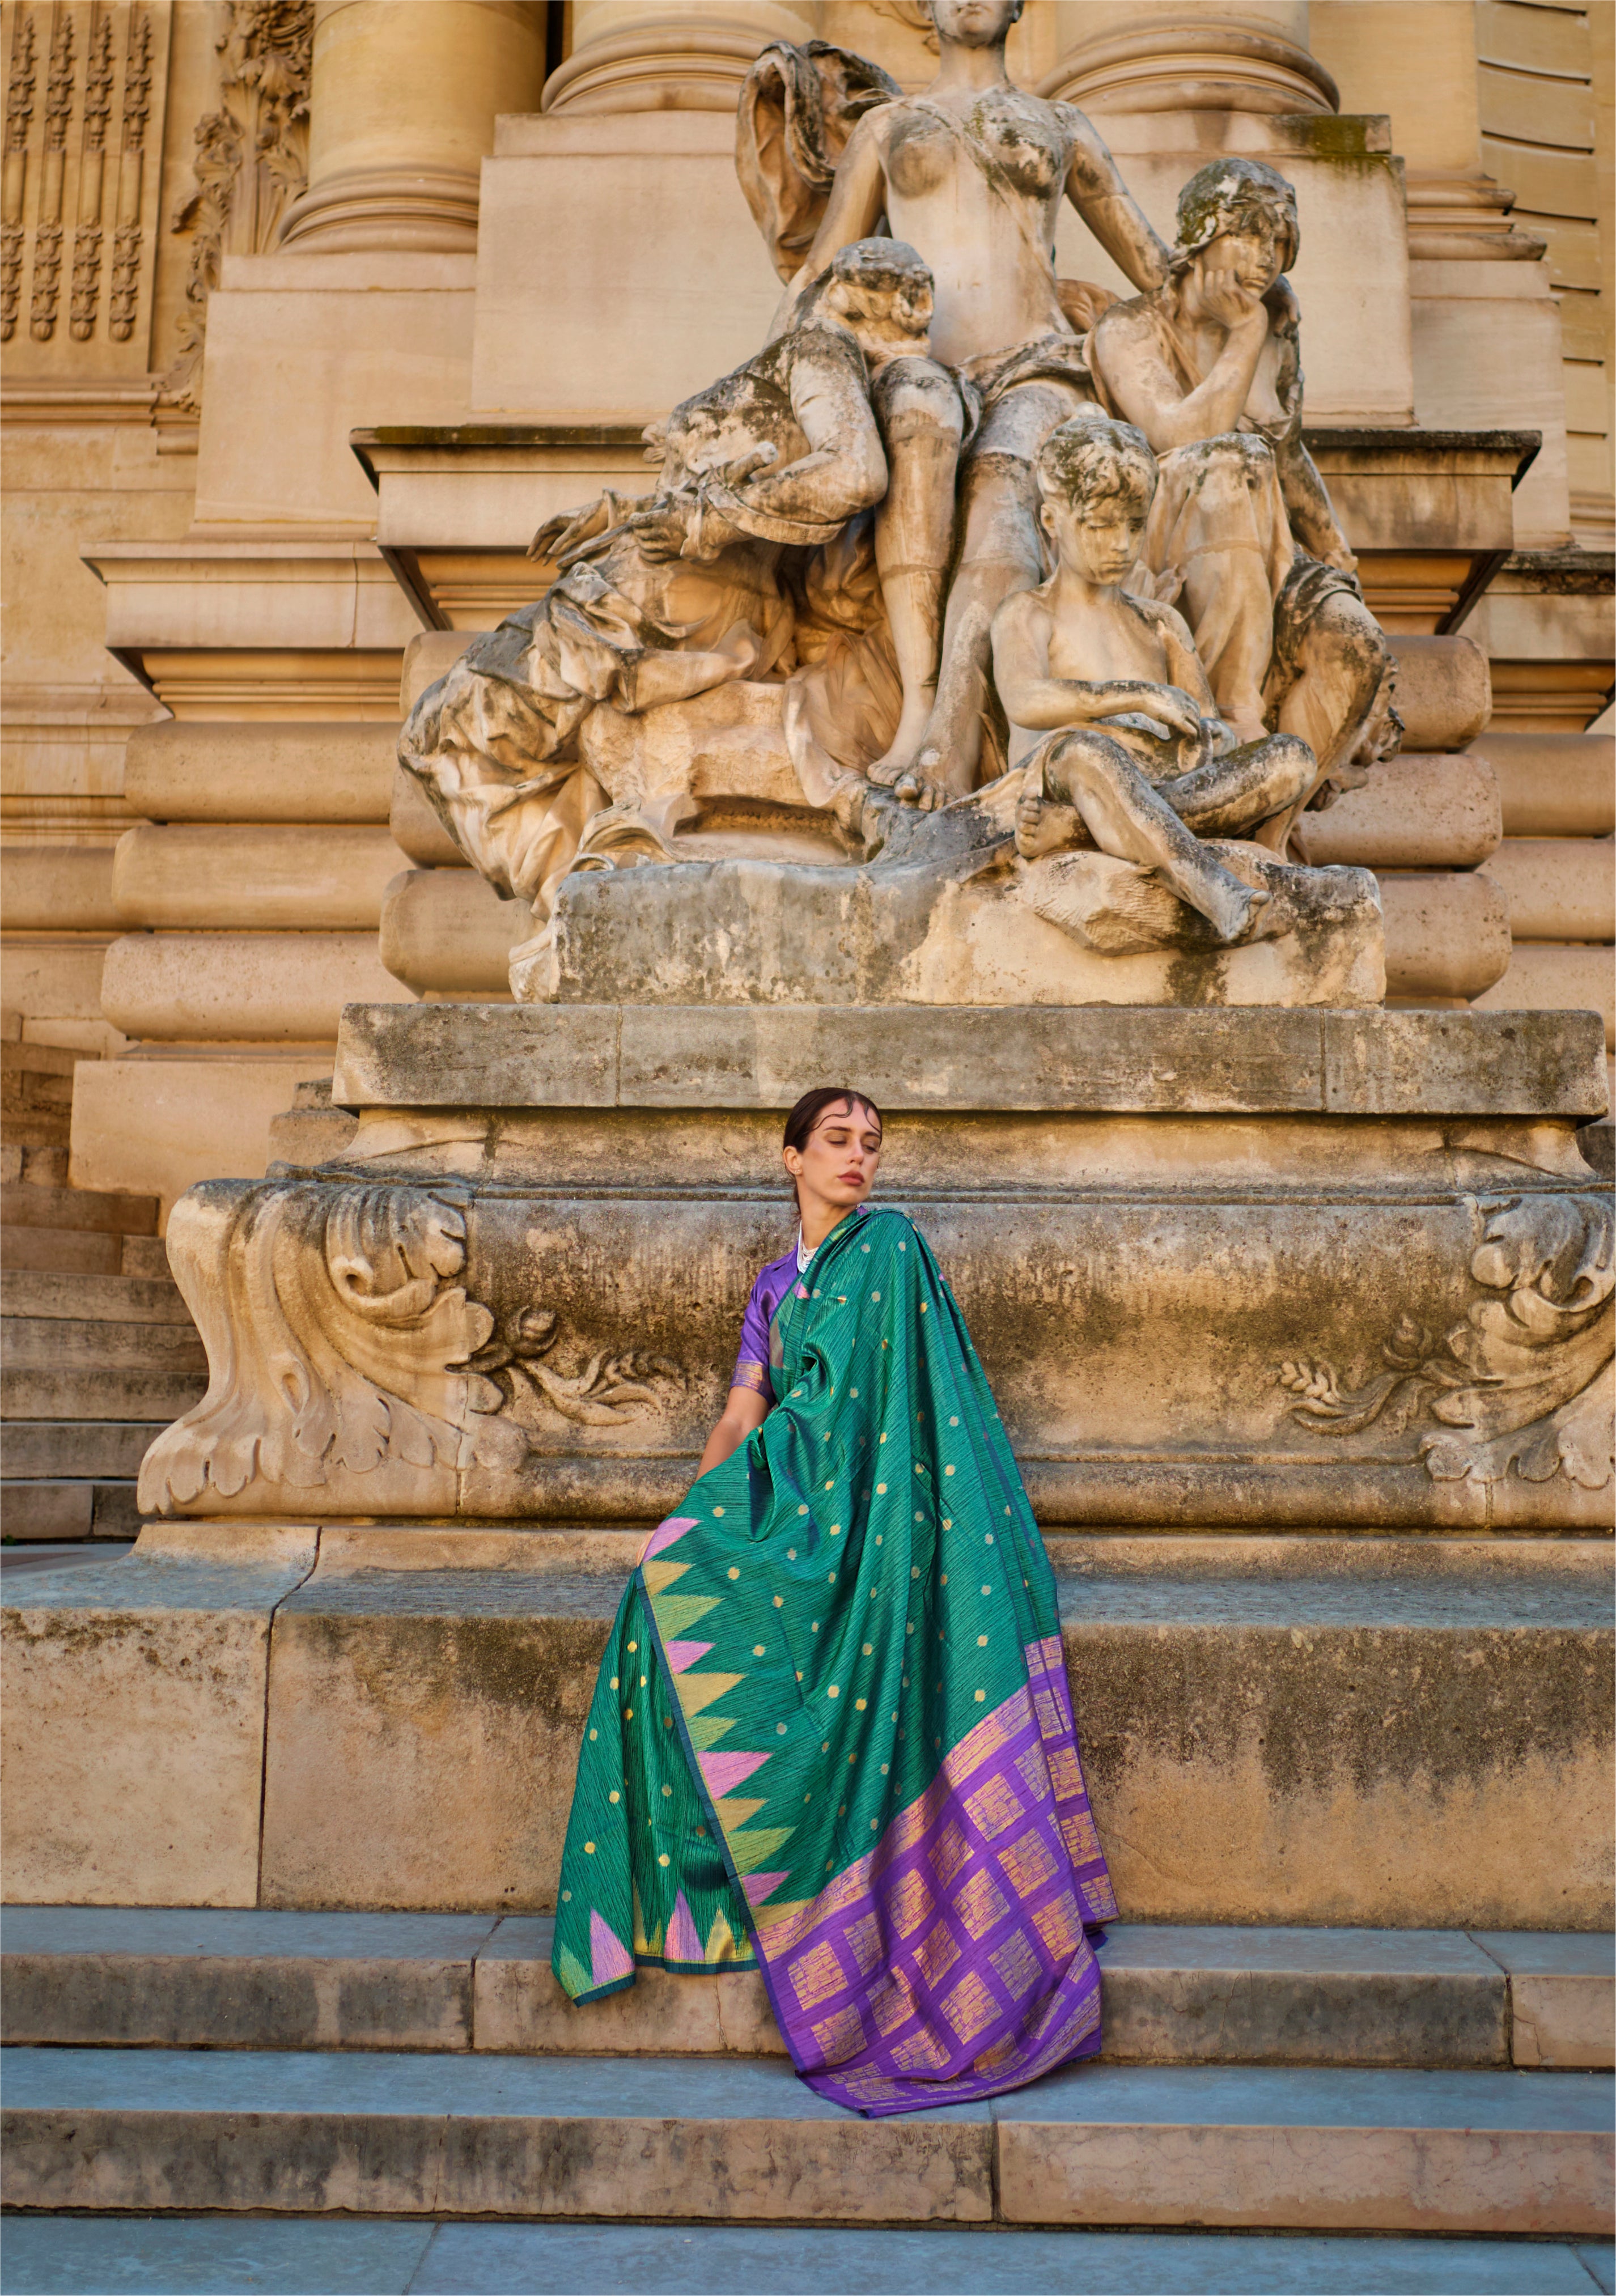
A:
[1135,746]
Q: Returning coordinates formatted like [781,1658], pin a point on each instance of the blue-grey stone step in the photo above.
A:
[290,2255]
[168,1977]
[743,2140]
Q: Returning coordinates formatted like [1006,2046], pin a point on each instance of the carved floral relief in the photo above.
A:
[1525,1382]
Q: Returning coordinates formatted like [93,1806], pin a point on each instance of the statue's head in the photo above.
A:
[974,23]
[1248,210]
[881,290]
[1096,480]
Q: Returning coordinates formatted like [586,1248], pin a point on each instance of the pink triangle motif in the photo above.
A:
[725,1772]
[609,1958]
[682,1655]
[684,1937]
[759,1886]
[666,1533]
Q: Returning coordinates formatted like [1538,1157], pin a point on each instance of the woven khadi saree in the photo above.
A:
[830,1738]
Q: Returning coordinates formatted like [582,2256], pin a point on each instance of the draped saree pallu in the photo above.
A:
[831,1736]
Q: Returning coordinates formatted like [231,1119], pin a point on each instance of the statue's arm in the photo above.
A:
[845,469]
[1043,703]
[1145,389]
[1183,664]
[859,195]
[1095,188]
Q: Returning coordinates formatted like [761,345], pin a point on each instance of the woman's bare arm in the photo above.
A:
[743,1413]
[1106,205]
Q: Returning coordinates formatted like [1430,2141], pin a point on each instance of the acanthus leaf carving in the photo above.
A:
[1526,1380]
[13,184]
[92,176]
[252,161]
[124,295]
[47,230]
[339,1338]
[608,1391]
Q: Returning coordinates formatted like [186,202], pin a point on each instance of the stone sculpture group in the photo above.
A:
[965,540]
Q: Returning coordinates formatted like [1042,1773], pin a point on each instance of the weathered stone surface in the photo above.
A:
[1417,810]
[1300,1996]
[744,932]
[468,2136]
[1562,1996]
[134,1719]
[1391,2151]
[1335,1357]
[178,770]
[1447,932]
[491,1057]
[459,2135]
[1353,1732]
[1444,693]
[91,1977]
[238,1980]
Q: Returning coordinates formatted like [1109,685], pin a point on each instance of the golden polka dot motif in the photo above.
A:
[733,1571]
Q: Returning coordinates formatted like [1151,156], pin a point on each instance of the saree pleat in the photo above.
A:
[831,1736]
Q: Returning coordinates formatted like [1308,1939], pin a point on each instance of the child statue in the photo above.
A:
[1136,750]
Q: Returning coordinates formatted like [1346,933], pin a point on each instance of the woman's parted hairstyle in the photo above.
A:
[812,1106]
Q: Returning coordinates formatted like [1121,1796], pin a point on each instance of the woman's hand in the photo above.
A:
[743,1413]
[1225,297]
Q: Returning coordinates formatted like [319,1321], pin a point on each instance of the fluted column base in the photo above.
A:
[424,211]
[1194,65]
[667,61]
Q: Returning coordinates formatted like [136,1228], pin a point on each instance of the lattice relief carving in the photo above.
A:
[81,77]
[252,161]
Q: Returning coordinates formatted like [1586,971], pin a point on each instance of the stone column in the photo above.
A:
[1188,56]
[1416,60]
[666,55]
[402,106]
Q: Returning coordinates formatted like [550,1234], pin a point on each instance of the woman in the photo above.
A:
[831,1736]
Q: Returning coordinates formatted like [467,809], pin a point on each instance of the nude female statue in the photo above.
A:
[971,173]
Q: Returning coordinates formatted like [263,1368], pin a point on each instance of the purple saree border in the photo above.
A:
[951,1963]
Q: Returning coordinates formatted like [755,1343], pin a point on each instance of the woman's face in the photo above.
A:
[974,23]
[841,1158]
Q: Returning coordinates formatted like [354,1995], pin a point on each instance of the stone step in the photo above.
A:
[144,1255]
[65,1250]
[290,2255]
[22,1204]
[109,1450]
[98,1392]
[36,1342]
[444,2135]
[91,1299]
[93,1976]
[1320,1730]
[69,1508]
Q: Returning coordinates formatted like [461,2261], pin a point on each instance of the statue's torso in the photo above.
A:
[979,200]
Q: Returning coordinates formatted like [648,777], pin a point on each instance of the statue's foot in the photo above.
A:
[900,760]
[923,784]
[1238,914]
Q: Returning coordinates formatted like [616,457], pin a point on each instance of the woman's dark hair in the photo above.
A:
[812,1106]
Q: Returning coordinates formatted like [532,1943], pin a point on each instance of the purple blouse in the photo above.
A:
[758,1361]
[775,1283]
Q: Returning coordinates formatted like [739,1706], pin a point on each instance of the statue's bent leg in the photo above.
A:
[1000,551]
[917,406]
[1127,817]
[1255,792]
[1341,659]
[1219,519]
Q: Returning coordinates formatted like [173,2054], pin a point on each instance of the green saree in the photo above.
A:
[830,1737]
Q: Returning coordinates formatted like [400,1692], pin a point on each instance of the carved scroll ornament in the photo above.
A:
[338,1337]
[1526,1382]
